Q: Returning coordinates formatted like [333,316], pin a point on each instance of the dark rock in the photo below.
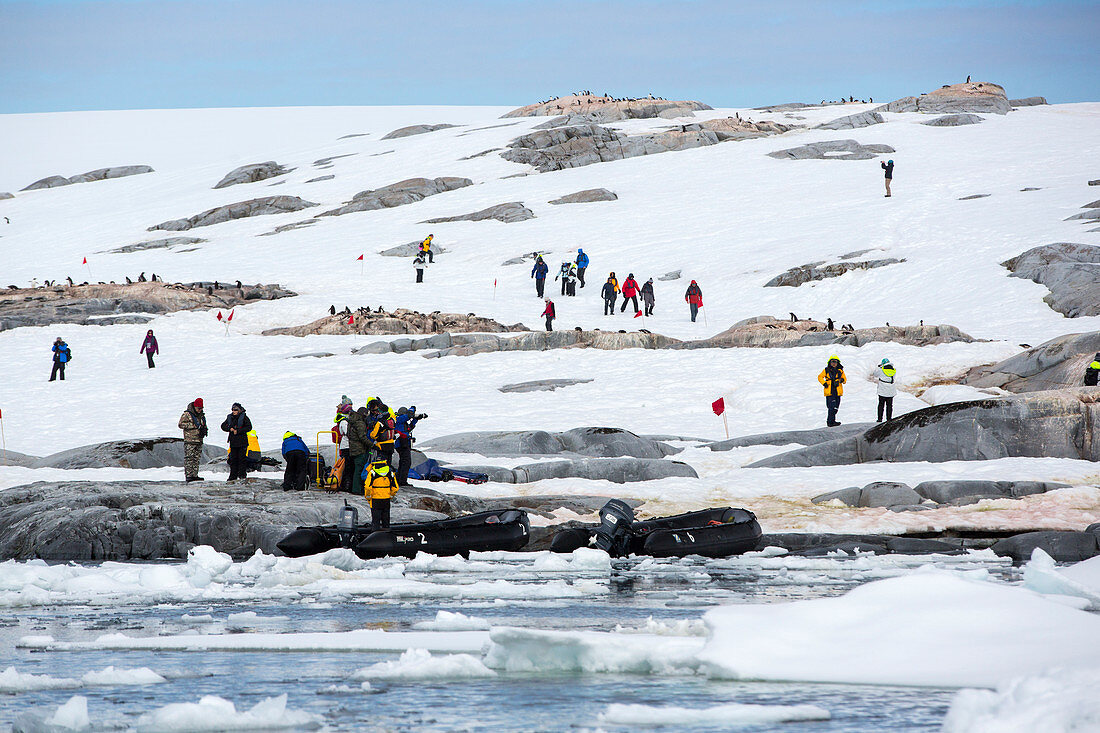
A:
[252,173]
[586,196]
[1062,546]
[313,354]
[954,120]
[832,150]
[852,122]
[1090,215]
[414,130]
[149,453]
[770,332]
[1095,182]
[786,437]
[289,227]
[483,152]
[321,178]
[918,546]
[672,275]
[6,195]
[169,243]
[48,182]
[11,458]
[975,196]
[887,493]
[1056,364]
[954,491]
[616,470]
[1028,101]
[609,109]
[411,249]
[543,341]
[325,162]
[100,174]
[542,385]
[848,497]
[807,273]
[510,212]
[1092,205]
[1068,270]
[401,320]
[814,544]
[254,207]
[1030,188]
[601,442]
[401,193]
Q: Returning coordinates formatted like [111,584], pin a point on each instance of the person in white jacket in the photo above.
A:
[884,376]
[420,262]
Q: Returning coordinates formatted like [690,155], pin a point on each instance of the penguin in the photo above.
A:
[156,279]
[332,310]
[968,78]
[239,285]
[141,278]
[216,285]
[794,318]
[70,281]
[7,220]
[129,281]
[828,324]
[209,290]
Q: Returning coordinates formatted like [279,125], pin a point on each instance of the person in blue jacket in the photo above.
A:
[407,417]
[61,357]
[582,263]
[296,455]
[539,273]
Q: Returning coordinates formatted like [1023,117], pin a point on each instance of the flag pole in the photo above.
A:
[3,441]
[725,423]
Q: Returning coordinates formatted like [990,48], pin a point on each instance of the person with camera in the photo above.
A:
[407,417]
[832,379]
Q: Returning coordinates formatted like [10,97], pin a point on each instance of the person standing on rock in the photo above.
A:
[193,424]
[380,486]
[420,262]
[426,248]
[382,430]
[582,265]
[549,313]
[539,272]
[648,298]
[61,356]
[296,455]
[630,293]
[884,377]
[341,428]
[888,166]
[832,379]
[149,347]
[406,421]
[1092,371]
[694,298]
[358,446]
[610,293]
[238,425]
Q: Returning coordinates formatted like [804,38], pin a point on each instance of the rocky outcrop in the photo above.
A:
[148,453]
[6,195]
[931,494]
[807,273]
[954,120]
[1052,424]
[967,97]
[401,320]
[252,173]
[544,341]
[584,144]
[414,130]
[542,385]
[318,179]
[404,192]
[1057,364]
[592,441]
[672,275]
[508,213]
[615,470]
[770,332]
[11,458]
[973,196]
[169,243]
[736,128]
[853,122]
[1062,546]
[1085,216]
[100,174]
[133,303]
[411,249]
[1028,101]
[586,196]
[609,109]
[1070,271]
[254,207]
[787,437]
[832,150]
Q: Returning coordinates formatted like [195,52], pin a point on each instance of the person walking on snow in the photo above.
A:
[426,248]
[420,262]
[193,424]
[61,356]
[582,265]
[832,379]
[564,272]
[648,298]
[694,298]
[884,376]
[149,347]
[238,425]
[609,293]
[296,455]
[630,293]
[549,313]
[1092,371]
[539,273]
[888,166]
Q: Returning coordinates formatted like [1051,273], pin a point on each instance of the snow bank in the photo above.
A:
[531,650]
[453,621]
[213,713]
[1082,579]
[419,664]
[930,628]
[11,680]
[1063,701]
[726,716]
[682,627]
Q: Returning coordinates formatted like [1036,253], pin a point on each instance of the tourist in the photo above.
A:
[342,451]
[582,265]
[832,379]
[62,355]
[564,272]
[149,347]
[1092,371]
[694,298]
[193,424]
[539,272]
[420,262]
[358,446]
[884,376]
[648,298]
[296,455]
[549,314]
[888,166]
[382,430]
[237,425]
[406,421]
[426,248]
[630,293]
[380,488]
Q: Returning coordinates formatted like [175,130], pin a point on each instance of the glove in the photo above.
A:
[422,416]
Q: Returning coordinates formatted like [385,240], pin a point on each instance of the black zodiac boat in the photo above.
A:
[718,532]
[507,529]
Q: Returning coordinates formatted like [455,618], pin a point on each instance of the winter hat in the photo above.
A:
[288,434]
[889,162]
[630,274]
[197,403]
[344,409]
[834,357]
[237,406]
[345,400]
[884,362]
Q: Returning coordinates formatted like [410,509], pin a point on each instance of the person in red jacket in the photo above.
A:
[630,292]
[694,297]
[550,314]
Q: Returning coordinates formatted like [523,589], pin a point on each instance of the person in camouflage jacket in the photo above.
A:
[193,424]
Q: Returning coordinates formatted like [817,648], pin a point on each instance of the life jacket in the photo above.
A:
[335,431]
[379,481]
[1091,374]
[382,431]
[253,445]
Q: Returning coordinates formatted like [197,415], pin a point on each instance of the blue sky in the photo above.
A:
[60,55]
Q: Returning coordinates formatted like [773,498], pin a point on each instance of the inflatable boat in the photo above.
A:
[507,529]
[718,532]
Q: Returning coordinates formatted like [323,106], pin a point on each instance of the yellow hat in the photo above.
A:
[288,434]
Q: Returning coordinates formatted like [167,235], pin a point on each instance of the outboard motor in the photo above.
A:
[613,534]
[349,520]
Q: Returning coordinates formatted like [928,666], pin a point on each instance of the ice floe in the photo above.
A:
[212,713]
[419,664]
[1062,701]
[727,716]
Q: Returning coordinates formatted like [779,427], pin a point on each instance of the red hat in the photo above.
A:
[198,403]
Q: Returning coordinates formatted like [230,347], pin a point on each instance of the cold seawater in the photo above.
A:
[99,605]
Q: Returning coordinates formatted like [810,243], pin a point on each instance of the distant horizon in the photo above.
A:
[203,54]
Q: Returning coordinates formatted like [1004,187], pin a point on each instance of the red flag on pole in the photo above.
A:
[219,315]
[351,320]
[637,314]
[494,282]
[359,258]
[85,261]
[719,405]
[227,320]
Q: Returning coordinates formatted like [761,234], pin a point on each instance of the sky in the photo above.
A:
[62,55]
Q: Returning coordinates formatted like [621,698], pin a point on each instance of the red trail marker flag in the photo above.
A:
[719,407]
[85,261]
[227,320]
[219,315]
[360,257]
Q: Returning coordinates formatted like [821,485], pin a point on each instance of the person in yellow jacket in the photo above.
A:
[832,379]
[380,485]
[426,248]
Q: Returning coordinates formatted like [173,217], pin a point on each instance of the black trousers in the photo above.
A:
[580,274]
[419,275]
[540,286]
[648,308]
[380,513]
[832,404]
[349,469]
[149,358]
[237,463]
[564,285]
[888,404]
[296,475]
[571,288]
[404,463]
[549,320]
[58,367]
[628,299]
[609,306]
[431,256]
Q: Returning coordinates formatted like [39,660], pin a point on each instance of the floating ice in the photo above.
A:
[1081,579]
[11,680]
[930,628]
[583,558]
[119,676]
[1061,701]
[419,664]
[681,627]
[729,715]
[212,713]
[453,621]
[73,715]
[533,650]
